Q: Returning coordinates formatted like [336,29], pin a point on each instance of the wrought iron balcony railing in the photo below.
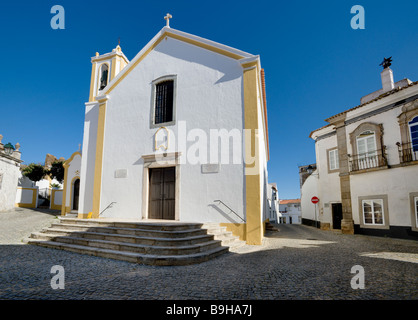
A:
[369,160]
[407,152]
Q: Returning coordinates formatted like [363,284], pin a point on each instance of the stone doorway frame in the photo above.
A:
[163,160]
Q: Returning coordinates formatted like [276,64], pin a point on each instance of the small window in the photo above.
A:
[413,129]
[366,144]
[333,159]
[164,102]
[373,212]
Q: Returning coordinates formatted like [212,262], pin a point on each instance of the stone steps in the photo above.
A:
[151,243]
[226,237]
[129,231]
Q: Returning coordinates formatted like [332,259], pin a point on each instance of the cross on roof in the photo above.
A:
[167,18]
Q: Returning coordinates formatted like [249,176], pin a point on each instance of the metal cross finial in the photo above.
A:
[167,18]
[118,41]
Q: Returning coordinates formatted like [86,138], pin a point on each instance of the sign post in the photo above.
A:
[315,201]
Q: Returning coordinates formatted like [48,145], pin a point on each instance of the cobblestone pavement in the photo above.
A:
[298,262]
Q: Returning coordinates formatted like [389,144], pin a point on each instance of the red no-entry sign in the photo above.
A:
[315,200]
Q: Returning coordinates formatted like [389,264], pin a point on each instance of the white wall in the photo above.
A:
[329,188]
[27,197]
[396,183]
[9,180]
[309,189]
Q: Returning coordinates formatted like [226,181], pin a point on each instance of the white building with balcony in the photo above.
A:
[367,164]
[290,211]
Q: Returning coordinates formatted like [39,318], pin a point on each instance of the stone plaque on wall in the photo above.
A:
[210,168]
[121,173]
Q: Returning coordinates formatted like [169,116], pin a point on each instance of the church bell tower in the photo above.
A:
[104,68]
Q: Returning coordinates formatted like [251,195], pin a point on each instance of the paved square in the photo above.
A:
[298,262]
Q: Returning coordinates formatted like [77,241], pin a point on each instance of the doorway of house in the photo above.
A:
[76,193]
[162,191]
[337,215]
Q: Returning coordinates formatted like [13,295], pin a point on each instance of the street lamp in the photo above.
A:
[8,149]
[310,171]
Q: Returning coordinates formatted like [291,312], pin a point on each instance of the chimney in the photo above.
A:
[387,75]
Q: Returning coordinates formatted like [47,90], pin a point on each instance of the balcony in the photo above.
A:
[407,153]
[370,160]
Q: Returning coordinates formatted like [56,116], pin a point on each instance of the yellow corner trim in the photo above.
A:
[254,227]
[97,186]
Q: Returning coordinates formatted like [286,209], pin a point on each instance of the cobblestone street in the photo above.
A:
[298,262]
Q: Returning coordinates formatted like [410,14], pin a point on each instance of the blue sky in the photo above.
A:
[316,65]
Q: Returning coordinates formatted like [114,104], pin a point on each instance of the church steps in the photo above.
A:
[148,259]
[159,226]
[49,234]
[154,243]
[131,247]
[221,233]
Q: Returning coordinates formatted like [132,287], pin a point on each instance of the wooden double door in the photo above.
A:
[162,193]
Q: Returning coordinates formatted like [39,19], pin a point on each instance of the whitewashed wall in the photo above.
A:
[309,189]
[209,95]
[329,188]
[27,197]
[9,181]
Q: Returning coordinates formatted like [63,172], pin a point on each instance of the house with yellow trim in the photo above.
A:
[177,133]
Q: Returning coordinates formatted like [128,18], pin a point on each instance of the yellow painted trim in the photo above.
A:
[93,75]
[237,229]
[28,205]
[52,201]
[177,37]
[113,71]
[110,56]
[34,196]
[205,46]
[99,160]
[82,215]
[255,227]
[64,195]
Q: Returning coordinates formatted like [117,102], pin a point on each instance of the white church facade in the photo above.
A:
[177,133]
